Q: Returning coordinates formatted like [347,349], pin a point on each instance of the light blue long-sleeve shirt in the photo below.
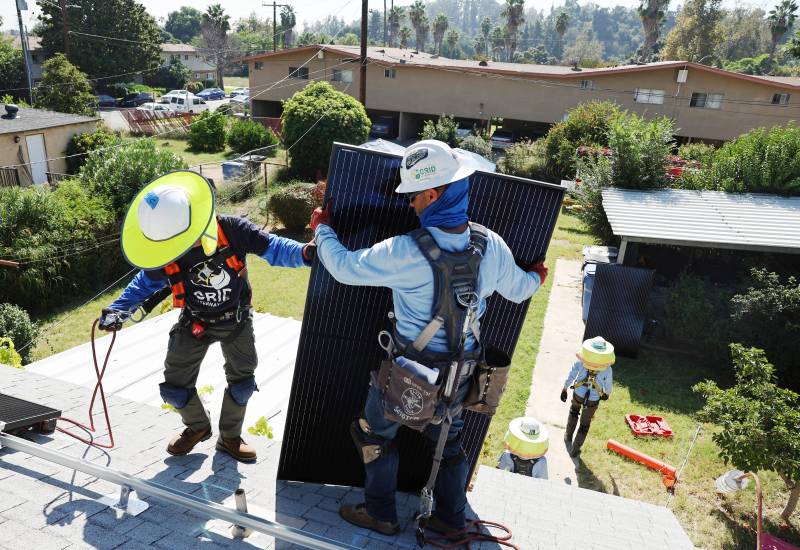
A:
[398,263]
[578,372]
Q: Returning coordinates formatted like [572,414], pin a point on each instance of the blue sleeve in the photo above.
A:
[138,290]
[608,382]
[283,252]
[573,372]
[513,283]
[505,462]
[374,266]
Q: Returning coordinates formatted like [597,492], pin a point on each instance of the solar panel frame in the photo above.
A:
[325,397]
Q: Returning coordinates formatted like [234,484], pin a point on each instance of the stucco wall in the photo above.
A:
[537,99]
[55,142]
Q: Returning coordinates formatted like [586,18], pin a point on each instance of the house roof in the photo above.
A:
[34,43]
[395,57]
[709,219]
[170,48]
[37,119]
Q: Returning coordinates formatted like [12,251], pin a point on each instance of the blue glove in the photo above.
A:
[111,320]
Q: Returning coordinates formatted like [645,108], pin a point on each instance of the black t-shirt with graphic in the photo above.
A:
[211,286]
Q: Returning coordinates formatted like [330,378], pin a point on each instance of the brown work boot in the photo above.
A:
[438,526]
[237,448]
[357,515]
[185,441]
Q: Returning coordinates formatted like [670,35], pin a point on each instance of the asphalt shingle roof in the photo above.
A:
[37,119]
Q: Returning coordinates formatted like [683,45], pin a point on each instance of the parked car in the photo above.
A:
[463,131]
[384,126]
[172,93]
[136,99]
[105,101]
[187,103]
[211,94]
[155,108]
[240,91]
[502,139]
[240,99]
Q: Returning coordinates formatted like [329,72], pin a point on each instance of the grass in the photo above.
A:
[181,148]
[232,82]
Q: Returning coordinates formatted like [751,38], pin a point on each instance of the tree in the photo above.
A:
[758,421]
[319,115]
[451,39]
[781,18]
[172,77]
[587,50]
[443,129]
[288,22]
[405,37]
[252,35]
[64,88]
[374,27]
[215,27]
[184,24]
[498,42]
[12,69]
[479,45]
[440,25]
[486,30]
[652,13]
[396,16]
[514,12]
[562,22]
[138,39]
[419,20]
[745,33]
[697,33]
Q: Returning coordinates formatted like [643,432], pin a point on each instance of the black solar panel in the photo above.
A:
[338,342]
[618,306]
[17,413]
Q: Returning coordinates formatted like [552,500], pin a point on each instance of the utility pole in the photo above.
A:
[362,81]
[65,26]
[275,7]
[384,23]
[23,39]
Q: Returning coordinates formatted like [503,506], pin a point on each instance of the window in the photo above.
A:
[389,73]
[186,57]
[587,85]
[647,95]
[342,75]
[174,57]
[258,65]
[706,101]
[208,76]
[301,73]
[780,99]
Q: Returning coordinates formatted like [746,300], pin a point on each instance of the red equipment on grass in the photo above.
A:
[648,425]
[668,473]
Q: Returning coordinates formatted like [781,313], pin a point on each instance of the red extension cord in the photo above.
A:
[472,533]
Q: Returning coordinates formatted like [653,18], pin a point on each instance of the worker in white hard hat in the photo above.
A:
[434,178]
[174,235]
[526,442]
[591,378]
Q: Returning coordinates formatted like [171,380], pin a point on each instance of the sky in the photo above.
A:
[309,11]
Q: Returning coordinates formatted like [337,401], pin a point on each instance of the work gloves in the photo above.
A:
[320,216]
[540,269]
[604,396]
[110,320]
[564,396]
[310,251]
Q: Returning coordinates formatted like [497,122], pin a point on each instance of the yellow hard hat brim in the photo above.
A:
[144,253]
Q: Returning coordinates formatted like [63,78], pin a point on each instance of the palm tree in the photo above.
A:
[479,45]
[214,25]
[780,19]
[440,25]
[486,29]
[452,42]
[405,37]
[288,22]
[498,41]
[652,13]
[423,33]
[416,13]
[514,12]
[396,16]
[562,22]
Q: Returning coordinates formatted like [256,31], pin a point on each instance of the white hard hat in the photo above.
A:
[431,163]
[164,213]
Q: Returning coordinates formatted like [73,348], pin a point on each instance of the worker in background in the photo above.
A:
[173,234]
[526,442]
[434,178]
[591,378]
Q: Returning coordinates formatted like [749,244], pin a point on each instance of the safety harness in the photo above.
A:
[524,466]
[591,382]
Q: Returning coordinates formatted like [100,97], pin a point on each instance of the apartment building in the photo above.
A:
[187,54]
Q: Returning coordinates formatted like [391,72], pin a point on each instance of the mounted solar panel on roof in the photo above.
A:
[339,338]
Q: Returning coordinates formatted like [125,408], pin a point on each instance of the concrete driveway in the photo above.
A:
[114,119]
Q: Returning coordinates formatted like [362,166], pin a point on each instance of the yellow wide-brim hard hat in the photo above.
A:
[200,221]
[597,353]
[519,439]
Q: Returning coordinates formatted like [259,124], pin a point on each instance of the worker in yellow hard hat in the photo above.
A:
[174,235]
[526,442]
[592,380]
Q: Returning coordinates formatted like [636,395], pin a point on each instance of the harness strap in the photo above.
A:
[591,382]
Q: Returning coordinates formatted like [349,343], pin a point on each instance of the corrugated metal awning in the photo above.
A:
[712,219]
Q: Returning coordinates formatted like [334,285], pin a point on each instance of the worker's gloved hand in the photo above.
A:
[604,397]
[320,216]
[310,251]
[540,269]
[564,396]
[110,320]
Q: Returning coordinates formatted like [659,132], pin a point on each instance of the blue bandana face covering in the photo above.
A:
[450,209]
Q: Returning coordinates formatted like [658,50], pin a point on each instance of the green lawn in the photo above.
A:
[181,148]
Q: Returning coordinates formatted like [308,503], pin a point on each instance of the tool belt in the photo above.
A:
[488,382]
[230,317]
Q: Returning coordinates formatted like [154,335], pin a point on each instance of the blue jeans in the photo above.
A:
[381,480]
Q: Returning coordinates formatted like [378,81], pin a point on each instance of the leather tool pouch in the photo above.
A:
[488,382]
[407,398]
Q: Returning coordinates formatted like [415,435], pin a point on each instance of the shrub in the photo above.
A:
[478,145]
[209,83]
[586,124]
[114,89]
[118,174]
[247,135]
[194,87]
[526,160]
[82,144]
[443,129]
[701,152]
[319,115]
[640,148]
[172,77]
[698,313]
[8,355]
[77,98]
[16,324]
[207,133]
[760,161]
[293,205]
[596,175]
[767,316]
